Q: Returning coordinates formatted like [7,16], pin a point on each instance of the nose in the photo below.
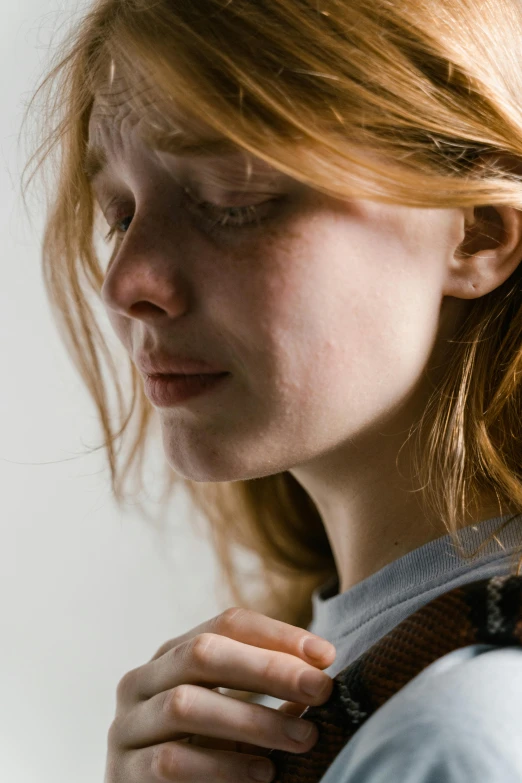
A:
[144,279]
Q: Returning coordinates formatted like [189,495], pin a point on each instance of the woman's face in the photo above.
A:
[325,315]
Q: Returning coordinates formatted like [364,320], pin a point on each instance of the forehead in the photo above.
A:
[119,110]
[116,123]
[114,115]
[117,119]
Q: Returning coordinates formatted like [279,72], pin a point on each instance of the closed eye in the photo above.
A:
[231,218]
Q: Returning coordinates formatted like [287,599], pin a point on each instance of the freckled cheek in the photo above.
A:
[253,282]
[301,356]
[283,308]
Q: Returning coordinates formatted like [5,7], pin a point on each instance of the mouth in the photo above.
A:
[184,374]
[169,390]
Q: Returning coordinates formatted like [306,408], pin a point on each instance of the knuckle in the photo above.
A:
[203,648]
[113,734]
[126,686]
[179,700]
[271,668]
[255,724]
[230,619]
[164,761]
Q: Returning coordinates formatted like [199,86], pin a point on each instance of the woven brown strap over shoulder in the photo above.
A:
[483,612]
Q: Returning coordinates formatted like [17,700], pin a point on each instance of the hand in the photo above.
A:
[173,724]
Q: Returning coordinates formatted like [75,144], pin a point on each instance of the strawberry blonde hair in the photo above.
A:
[391,100]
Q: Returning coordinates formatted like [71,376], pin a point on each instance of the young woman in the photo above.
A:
[315,223]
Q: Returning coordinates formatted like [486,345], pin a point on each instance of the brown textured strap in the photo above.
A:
[488,611]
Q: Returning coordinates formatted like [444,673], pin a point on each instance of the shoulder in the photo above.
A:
[460,719]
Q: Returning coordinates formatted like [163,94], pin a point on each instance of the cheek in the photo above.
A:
[342,316]
[122,328]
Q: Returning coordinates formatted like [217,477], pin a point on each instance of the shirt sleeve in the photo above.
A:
[458,721]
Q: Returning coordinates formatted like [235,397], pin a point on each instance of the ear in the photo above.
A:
[491,249]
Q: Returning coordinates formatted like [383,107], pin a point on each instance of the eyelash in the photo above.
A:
[217,225]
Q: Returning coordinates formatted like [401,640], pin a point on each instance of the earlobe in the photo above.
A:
[489,253]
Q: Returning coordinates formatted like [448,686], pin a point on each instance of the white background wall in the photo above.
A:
[86,592]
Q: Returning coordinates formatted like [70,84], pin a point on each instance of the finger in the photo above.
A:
[218,744]
[212,660]
[173,761]
[190,709]
[251,627]
[183,763]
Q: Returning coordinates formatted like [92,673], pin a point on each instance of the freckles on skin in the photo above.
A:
[328,318]
[347,311]
[333,316]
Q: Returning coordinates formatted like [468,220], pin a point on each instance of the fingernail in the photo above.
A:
[299,730]
[313,683]
[316,648]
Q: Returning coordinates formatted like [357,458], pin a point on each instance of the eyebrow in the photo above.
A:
[95,158]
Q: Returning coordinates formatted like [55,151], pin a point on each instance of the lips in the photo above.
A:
[170,390]
[182,374]
[164,364]
[188,375]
